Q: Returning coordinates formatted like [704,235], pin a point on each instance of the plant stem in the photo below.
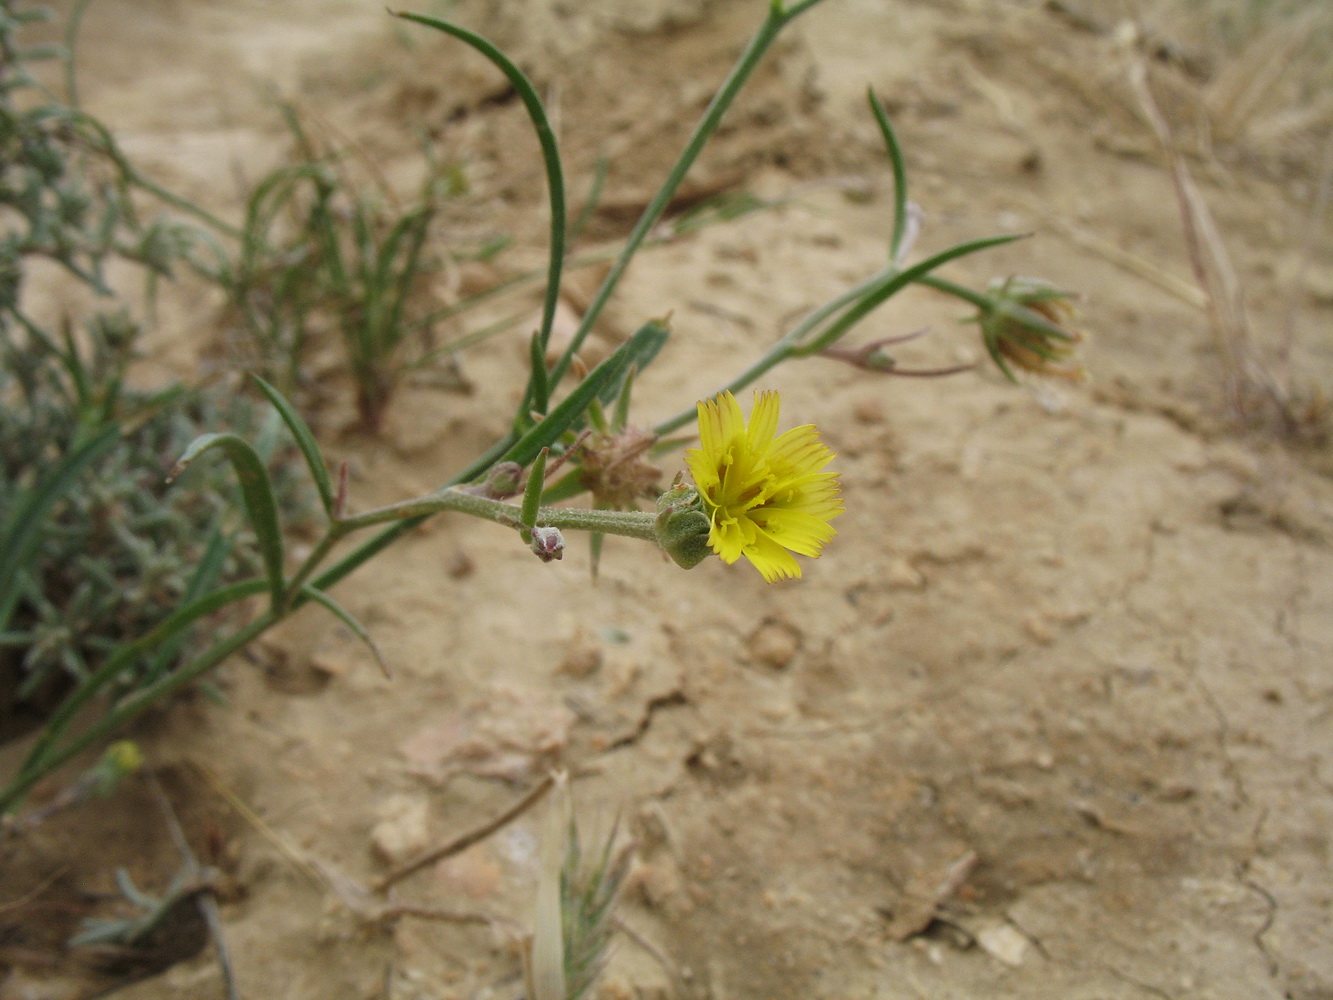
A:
[631,524]
[978,299]
[784,348]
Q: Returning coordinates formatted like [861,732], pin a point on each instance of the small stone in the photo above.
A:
[330,664]
[473,874]
[659,885]
[868,411]
[1004,943]
[775,643]
[403,829]
[582,659]
[902,575]
[459,565]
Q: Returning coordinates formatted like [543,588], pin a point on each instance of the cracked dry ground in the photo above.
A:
[1052,718]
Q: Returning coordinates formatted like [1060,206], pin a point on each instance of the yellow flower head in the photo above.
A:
[763,495]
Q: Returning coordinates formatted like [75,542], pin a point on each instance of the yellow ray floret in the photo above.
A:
[765,496]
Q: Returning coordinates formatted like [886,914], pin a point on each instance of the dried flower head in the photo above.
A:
[765,496]
[1026,326]
[612,467]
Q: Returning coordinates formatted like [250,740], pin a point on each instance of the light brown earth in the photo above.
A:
[1051,718]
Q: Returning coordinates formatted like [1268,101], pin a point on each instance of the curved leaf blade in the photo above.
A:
[343,615]
[257,491]
[555,179]
[305,440]
[604,380]
[880,294]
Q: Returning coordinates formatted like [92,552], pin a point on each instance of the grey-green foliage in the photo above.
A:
[94,549]
[64,186]
[117,549]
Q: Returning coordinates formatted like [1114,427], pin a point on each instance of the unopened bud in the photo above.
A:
[503,480]
[682,526]
[119,761]
[548,544]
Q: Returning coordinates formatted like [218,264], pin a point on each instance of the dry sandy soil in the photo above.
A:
[1052,717]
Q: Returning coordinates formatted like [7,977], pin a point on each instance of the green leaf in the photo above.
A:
[345,616]
[620,418]
[22,531]
[537,387]
[899,178]
[571,410]
[257,490]
[555,180]
[205,577]
[641,348]
[305,440]
[532,492]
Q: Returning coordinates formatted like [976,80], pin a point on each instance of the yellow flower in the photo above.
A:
[763,495]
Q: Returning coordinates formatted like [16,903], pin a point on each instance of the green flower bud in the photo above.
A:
[683,526]
[504,479]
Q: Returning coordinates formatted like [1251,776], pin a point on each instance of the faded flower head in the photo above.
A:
[765,496]
[1034,336]
[612,467]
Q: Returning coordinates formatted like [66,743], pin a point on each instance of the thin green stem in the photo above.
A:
[311,563]
[1019,313]
[784,348]
[978,299]
[71,40]
[777,19]
[631,524]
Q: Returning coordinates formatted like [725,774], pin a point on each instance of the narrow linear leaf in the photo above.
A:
[305,440]
[532,492]
[641,348]
[568,485]
[22,532]
[620,417]
[570,410]
[899,176]
[205,577]
[345,616]
[555,180]
[257,490]
[538,391]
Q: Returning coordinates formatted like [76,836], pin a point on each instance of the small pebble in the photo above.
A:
[775,643]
